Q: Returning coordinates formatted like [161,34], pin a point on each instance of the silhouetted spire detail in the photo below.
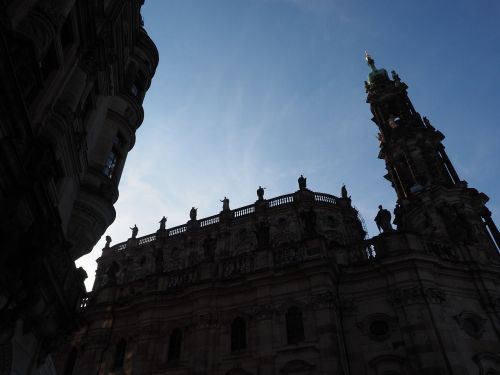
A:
[411,146]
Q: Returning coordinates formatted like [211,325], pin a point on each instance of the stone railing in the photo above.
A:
[320,198]
[278,201]
[209,221]
[146,239]
[121,246]
[243,211]
[325,198]
[177,230]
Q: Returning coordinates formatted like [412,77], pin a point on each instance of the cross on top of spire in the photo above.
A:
[370,61]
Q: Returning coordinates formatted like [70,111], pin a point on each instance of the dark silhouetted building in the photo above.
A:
[291,285]
[73,75]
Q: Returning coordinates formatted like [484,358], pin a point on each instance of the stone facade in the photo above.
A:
[291,285]
[73,75]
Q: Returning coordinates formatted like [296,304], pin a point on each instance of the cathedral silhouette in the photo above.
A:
[292,284]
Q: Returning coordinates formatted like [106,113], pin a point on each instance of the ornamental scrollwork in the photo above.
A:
[416,294]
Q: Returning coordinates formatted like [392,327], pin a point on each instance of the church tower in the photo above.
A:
[432,199]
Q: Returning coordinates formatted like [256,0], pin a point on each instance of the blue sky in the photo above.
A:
[257,92]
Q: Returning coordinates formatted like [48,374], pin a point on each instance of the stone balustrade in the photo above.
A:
[283,200]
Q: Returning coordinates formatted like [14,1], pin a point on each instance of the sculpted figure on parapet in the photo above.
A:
[225,204]
[302,183]
[135,230]
[108,241]
[260,193]
[193,213]
[343,192]
[383,220]
[163,223]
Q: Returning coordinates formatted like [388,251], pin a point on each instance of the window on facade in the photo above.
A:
[238,334]
[70,362]
[121,347]
[139,85]
[134,90]
[110,164]
[294,325]
[174,345]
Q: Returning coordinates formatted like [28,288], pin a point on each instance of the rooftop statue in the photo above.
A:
[108,241]
[193,213]
[260,193]
[302,182]
[225,204]
[135,230]
[163,221]
[395,77]
[383,220]
[343,192]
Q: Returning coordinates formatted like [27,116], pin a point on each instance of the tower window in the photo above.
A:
[121,347]
[174,345]
[238,334]
[110,164]
[294,325]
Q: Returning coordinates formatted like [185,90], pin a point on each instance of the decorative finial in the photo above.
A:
[370,61]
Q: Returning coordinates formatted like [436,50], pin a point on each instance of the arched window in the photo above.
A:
[294,325]
[174,345]
[70,362]
[238,334]
[121,347]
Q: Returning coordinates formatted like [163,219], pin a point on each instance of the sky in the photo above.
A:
[257,92]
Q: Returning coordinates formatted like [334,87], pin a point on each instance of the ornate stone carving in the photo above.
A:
[323,300]
[416,294]
[207,320]
[265,311]
[378,326]
[471,323]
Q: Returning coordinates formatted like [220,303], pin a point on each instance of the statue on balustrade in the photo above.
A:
[108,241]
[260,193]
[135,230]
[193,213]
[383,220]
[225,204]
[163,223]
[302,182]
[343,192]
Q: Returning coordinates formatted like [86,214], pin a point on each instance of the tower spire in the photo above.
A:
[432,199]
[411,146]
[370,61]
